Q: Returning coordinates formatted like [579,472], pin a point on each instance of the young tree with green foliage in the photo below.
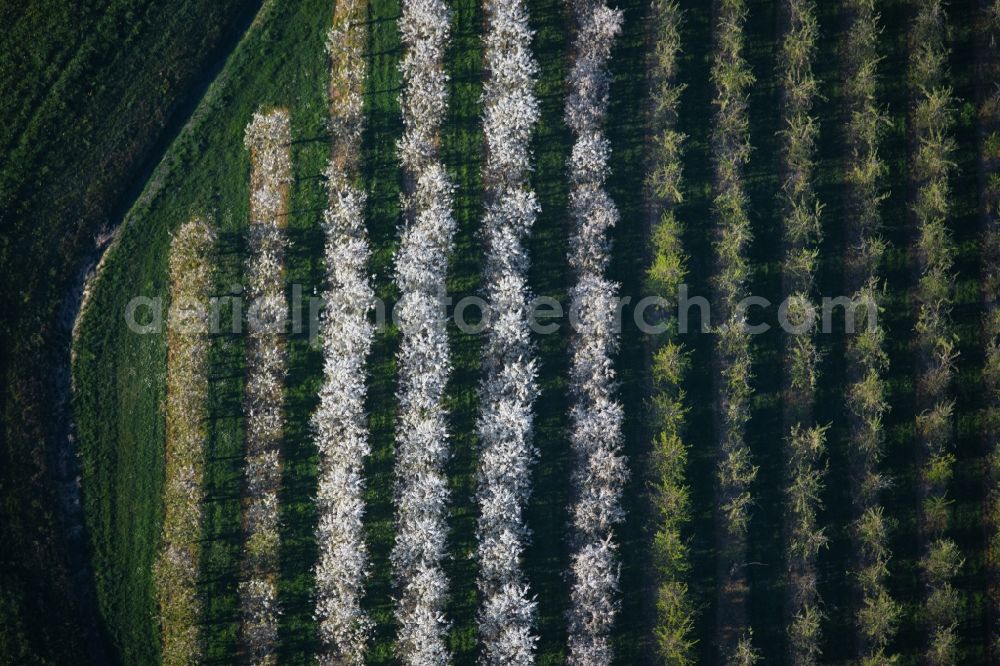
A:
[930,158]
[878,614]
[805,441]
[732,363]
[670,362]
[989,158]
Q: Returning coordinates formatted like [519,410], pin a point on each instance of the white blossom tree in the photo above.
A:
[177,567]
[340,431]
[595,416]
[268,138]
[507,614]
[424,358]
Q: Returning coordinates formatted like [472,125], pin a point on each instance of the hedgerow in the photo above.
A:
[670,362]
[507,614]
[339,422]
[176,570]
[268,138]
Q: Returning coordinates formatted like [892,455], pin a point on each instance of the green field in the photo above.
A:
[176,91]
[82,96]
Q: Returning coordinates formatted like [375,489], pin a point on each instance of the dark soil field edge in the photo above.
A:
[48,608]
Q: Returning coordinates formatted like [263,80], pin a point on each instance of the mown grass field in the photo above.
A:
[119,376]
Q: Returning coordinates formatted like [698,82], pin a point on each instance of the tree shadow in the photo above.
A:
[381,181]
[222,531]
[462,152]
[627,130]
[546,557]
